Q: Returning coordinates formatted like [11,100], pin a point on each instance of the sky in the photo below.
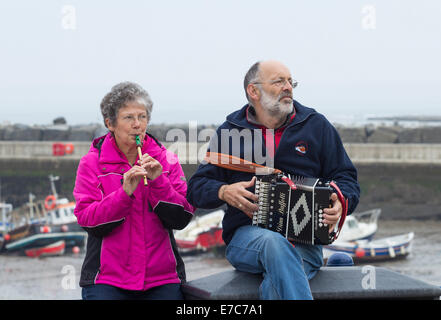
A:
[352,58]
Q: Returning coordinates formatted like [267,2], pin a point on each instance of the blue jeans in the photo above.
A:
[286,269]
[170,291]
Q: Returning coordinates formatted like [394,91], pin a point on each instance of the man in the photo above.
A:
[293,138]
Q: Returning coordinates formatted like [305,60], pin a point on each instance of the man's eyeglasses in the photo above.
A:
[280,82]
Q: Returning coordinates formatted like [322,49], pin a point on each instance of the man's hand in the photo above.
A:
[237,196]
[332,215]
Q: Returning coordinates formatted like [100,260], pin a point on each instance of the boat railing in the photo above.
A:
[369,216]
[29,213]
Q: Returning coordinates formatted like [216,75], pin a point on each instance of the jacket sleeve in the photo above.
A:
[95,213]
[204,185]
[168,196]
[337,166]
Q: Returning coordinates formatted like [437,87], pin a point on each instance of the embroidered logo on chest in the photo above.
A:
[301,148]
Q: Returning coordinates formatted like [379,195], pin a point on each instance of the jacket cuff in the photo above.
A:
[159,181]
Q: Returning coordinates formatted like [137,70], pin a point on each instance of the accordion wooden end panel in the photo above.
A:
[295,212]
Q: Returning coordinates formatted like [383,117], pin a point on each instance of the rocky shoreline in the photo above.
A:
[59,130]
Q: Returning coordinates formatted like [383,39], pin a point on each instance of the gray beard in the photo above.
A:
[274,107]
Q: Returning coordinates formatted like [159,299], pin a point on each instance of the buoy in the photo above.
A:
[7,237]
[76,250]
[45,229]
[68,148]
[359,252]
[64,228]
[49,202]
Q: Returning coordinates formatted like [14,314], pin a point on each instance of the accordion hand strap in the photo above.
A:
[344,203]
[289,182]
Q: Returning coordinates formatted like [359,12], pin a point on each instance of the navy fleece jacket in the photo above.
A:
[309,147]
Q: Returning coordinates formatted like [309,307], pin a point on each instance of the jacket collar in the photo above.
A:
[109,152]
[239,117]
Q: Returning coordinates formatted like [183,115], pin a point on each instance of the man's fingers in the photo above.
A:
[247,184]
[249,195]
[331,215]
[250,183]
[245,205]
[238,196]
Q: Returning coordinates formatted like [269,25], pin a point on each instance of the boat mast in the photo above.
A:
[52,179]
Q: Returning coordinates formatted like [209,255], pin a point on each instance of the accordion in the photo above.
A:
[294,208]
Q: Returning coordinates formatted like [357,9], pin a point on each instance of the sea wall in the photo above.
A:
[403,191]
[192,153]
[61,131]
[398,167]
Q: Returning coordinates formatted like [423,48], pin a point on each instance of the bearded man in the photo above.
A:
[293,138]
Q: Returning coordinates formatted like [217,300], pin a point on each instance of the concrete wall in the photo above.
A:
[363,153]
[403,190]
[394,153]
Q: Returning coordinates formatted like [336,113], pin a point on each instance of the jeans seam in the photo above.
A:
[268,278]
[247,249]
[255,251]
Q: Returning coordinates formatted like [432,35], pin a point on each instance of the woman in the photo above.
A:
[131,252]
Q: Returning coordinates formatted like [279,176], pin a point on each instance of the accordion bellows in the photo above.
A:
[293,207]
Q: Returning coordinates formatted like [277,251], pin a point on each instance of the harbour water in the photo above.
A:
[55,278]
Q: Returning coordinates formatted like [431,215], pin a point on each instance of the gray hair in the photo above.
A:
[119,96]
[251,76]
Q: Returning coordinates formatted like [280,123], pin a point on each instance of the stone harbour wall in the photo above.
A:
[402,191]
[87,132]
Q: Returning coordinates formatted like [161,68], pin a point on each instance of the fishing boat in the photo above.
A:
[5,209]
[203,233]
[61,219]
[38,224]
[59,215]
[34,231]
[359,226]
[398,246]
[53,249]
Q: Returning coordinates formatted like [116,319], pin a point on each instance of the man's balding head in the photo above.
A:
[264,71]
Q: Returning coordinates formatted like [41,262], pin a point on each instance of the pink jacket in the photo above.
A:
[130,240]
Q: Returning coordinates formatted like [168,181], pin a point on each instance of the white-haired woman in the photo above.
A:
[131,252]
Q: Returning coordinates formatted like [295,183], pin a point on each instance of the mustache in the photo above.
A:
[284,95]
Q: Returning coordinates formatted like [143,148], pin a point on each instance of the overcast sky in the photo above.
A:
[351,58]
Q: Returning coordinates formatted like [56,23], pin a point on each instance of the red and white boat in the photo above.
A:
[53,249]
[202,233]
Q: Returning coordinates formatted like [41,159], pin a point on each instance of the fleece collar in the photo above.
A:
[109,152]
[239,117]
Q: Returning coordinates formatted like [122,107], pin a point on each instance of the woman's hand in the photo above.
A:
[151,165]
[132,178]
